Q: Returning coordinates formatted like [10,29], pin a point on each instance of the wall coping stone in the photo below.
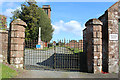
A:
[3,31]
[18,21]
[93,21]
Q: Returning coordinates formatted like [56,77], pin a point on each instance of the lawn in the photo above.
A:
[44,49]
[75,50]
[8,72]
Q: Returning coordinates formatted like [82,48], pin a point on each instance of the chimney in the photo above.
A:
[47,10]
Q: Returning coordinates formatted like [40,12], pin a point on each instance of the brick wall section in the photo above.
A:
[3,45]
[49,13]
[75,44]
[17,36]
[93,40]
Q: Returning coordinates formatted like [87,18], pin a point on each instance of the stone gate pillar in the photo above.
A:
[17,38]
[94,45]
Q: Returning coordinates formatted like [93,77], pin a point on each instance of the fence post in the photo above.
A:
[17,38]
[94,45]
[54,44]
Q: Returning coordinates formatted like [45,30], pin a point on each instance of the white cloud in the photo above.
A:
[72,26]
[8,11]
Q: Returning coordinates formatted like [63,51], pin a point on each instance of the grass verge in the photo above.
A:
[7,72]
[75,50]
[44,49]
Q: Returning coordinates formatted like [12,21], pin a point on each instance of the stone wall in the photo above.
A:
[110,46]
[119,27]
[17,35]
[113,46]
[3,45]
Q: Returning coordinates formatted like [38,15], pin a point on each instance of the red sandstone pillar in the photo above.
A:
[17,39]
[94,45]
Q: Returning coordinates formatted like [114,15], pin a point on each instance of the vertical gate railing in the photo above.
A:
[62,54]
[67,54]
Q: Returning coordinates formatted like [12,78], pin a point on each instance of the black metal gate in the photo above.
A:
[55,55]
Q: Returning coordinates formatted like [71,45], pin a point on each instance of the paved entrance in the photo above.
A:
[63,74]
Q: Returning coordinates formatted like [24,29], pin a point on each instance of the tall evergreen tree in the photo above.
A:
[34,17]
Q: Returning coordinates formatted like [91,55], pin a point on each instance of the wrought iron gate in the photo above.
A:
[56,55]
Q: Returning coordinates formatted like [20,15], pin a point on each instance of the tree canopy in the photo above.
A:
[34,17]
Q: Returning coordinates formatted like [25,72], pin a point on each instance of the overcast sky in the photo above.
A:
[68,18]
